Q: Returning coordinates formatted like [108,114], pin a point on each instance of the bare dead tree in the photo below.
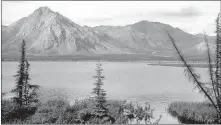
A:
[211,90]
[218,60]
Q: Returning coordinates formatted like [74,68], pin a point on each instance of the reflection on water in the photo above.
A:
[138,82]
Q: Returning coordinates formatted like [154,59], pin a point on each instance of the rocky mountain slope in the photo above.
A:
[146,36]
[49,33]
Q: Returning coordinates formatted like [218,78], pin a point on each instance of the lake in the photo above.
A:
[135,81]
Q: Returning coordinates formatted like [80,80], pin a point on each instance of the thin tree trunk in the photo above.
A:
[211,69]
[193,76]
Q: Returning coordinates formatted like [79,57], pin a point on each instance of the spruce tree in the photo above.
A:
[100,109]
[20,78]
[24,91]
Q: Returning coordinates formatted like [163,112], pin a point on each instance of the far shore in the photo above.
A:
[181,65]
[172,63]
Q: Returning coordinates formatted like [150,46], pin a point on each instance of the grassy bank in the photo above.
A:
[181,65]
[193,112]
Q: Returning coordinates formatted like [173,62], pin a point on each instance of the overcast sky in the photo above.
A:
[190,16]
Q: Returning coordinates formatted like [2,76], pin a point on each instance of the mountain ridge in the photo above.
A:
[50,33]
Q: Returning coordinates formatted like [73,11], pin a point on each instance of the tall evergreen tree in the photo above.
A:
[25,92]
[100,95]
[99,113]
[20,78]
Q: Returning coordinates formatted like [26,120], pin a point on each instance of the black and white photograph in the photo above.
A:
[110,62]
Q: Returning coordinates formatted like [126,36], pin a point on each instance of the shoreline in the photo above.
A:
[148,62]
[181,65]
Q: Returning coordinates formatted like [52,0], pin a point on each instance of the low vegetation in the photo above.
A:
[193,112]
[61,112]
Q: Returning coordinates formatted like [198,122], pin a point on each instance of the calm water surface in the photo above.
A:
[135,81]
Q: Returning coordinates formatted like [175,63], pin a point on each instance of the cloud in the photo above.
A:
[186,12]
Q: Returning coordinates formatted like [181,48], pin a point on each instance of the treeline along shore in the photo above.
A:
[105,57]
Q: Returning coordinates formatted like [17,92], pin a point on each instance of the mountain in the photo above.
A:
[145,36]
[201,48]
[49,33]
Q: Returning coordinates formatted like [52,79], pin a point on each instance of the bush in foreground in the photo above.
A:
[10,113]
[61,112]
[193,112]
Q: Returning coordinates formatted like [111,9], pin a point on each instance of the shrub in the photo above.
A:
[61,112]
[49,112]
[193,112]
[12,114]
